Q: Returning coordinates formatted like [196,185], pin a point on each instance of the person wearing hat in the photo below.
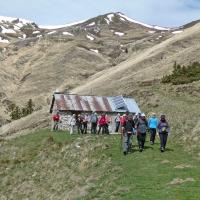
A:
[163,130]
[152,124]
[141,127]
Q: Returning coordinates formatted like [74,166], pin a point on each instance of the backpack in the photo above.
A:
[94,119]
[142,126]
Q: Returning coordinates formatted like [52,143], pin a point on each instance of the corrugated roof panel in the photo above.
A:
[68,102]
[94,103]
[132,105]
[119,103]
[85,104]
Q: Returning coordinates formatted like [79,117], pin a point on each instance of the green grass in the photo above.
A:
[46,165]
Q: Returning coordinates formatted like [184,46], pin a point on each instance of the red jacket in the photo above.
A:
[56,117]
[102,121]
[122,120]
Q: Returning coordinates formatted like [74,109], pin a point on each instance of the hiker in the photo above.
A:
[79,124]
[72,123]
[127,132]
[108,120]
[141,127]
[85,123]
[56,120]
[117,122]
[93,120]
[102,124]
[152,124]
[163,130]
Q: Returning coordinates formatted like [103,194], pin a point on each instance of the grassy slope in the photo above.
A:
[53,166]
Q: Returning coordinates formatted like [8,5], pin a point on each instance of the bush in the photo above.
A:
[184,74]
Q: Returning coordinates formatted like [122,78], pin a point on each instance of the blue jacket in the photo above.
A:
[153,122]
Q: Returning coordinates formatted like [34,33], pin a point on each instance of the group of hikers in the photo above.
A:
[139,125]
[127,124]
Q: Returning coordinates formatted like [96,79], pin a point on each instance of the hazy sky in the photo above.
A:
[56,12]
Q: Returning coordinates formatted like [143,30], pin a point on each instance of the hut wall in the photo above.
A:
[66,116]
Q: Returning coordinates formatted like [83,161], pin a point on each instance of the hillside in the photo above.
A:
[59,166]
[64,58]
[127,56]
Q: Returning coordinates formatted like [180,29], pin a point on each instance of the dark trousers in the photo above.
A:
[163,139]
[107,128]
[141,140]
[103,128]
[117,127]
[126,142]
[93,128]
[80,128]
[85,128]
[152,134]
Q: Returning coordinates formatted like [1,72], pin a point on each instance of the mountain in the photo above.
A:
[110,54]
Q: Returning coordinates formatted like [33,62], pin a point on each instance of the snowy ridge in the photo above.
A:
[143,24]
[60,26]
[10,19]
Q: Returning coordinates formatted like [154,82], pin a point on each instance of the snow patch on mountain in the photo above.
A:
[119,33]
[11,19]
[107,21]
[4,40]
[94,50]
[52,32]
[110,16]
[91,24]
[122,19]
[90,37]
[177,32]
[67,33]
[151,32]
[161,28]
[36,32]
[5,30]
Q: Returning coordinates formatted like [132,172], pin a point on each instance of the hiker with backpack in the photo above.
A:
[108,121]
[152,124]
[102,124]
[127,132]
[93,121]
[141,126]
[79,124]
[163,130]
[56,120]
[72,123]
[85,123]
[117,122]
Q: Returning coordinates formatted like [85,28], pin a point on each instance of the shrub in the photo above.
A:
[184,74]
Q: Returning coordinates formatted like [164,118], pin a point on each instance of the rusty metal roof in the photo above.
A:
[73,102]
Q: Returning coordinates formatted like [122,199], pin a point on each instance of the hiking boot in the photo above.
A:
[151,142]
[162,149]
[125,153]
[140,149]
